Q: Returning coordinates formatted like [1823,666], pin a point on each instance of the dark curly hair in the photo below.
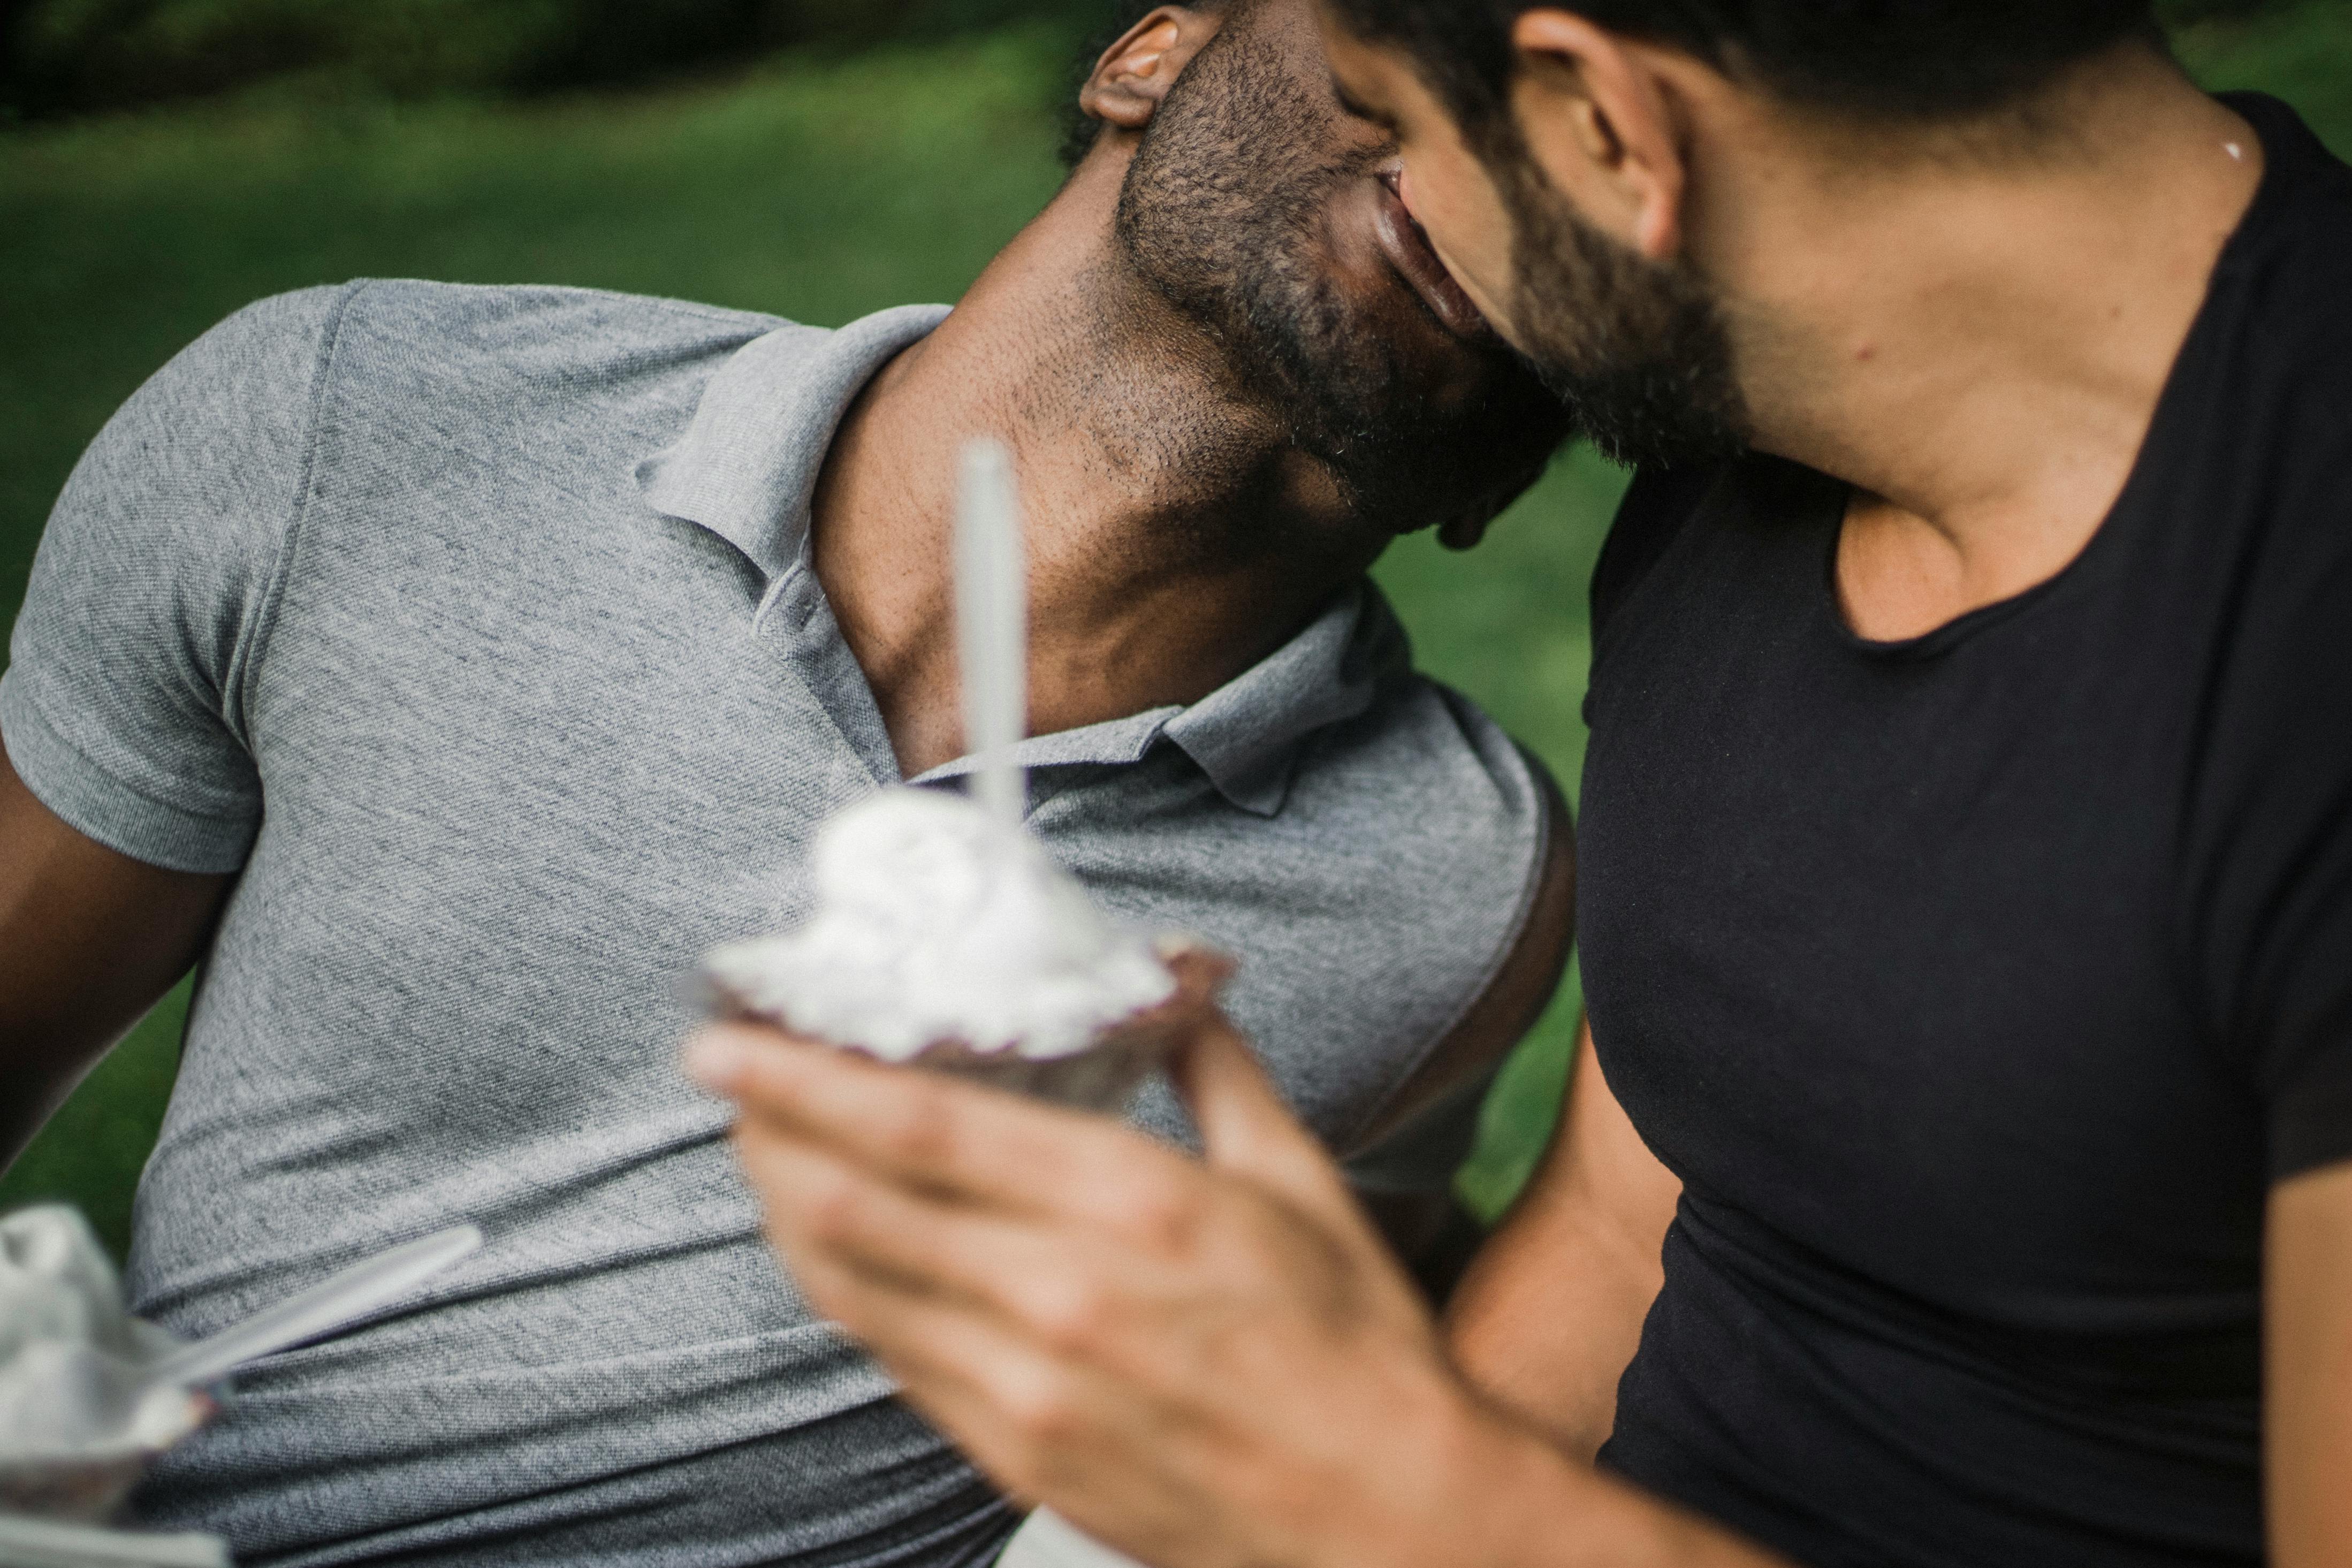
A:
[1918,60]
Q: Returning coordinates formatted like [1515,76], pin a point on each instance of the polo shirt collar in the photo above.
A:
[1248,734]
[747,467]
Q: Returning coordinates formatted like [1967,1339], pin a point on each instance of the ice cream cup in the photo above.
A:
[1103,1075]
[86,1485]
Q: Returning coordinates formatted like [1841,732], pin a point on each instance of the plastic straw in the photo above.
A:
[992,625]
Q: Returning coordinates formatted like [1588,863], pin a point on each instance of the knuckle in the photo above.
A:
[926,1131]
[1067,1315]
[1039,1411]
[833,1210]
[1164,1216]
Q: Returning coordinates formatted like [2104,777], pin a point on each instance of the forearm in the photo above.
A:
[1498,1495]
[1545,1322]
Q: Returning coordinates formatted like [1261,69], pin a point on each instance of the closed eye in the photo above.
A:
[1357,110]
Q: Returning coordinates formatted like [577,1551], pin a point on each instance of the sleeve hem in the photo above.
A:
[105,809]
[2311,1127]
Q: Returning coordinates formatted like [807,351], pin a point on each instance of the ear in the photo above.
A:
[1125,85]
[1598,118]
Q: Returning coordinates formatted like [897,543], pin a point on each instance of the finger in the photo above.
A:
[1010,1408]
[826,1212]
[921,1128]
[1247,1129]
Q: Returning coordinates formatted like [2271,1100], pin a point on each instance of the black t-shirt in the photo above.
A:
[1979,986]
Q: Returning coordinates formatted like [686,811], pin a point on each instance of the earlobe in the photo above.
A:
[1128,82]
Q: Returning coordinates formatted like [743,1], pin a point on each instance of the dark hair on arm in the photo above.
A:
[1917,60]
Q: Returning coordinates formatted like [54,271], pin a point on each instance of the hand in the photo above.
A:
[1206,1365]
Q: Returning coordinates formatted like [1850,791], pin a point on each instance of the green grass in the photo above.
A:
[816,190]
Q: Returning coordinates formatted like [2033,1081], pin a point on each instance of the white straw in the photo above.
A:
[992,625]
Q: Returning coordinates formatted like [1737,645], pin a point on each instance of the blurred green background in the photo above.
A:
[163,162]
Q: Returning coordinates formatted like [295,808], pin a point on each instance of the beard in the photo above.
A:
[1637,349]
[1224,215]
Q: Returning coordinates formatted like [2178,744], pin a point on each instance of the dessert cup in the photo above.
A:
[1102,1075]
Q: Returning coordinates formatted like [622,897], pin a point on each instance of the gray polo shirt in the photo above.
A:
[476,628]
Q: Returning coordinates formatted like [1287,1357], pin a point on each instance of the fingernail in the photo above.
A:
[714,1061]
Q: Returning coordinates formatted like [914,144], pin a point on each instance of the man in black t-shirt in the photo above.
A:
[1959,1170]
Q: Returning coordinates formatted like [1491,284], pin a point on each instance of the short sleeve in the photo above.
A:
[2271,831]
[120,706]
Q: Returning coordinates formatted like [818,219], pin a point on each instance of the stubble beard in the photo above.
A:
[1219,216]
[1638,349]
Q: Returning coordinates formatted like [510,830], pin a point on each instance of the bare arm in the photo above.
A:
[1550,1313]
[88,940]
[2307,1369]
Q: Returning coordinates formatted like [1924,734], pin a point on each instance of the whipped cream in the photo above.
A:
[73,1363]
[935,923]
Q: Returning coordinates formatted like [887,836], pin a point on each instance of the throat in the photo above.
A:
[1172,540]
[1900,576]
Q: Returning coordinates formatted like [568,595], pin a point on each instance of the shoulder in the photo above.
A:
[249,388]
[1656,505]
[1375,904]
[1420,757]
[201,467]
[456,392]
[2290,348]
[255,370]
[401,335]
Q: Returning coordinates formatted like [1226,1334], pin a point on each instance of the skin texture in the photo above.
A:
[1193,481]
[2307,1360]
[1970,330]
[1188,508]
[1207,1364]
[1180,523]
[88,940]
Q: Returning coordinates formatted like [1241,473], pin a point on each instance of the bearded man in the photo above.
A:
[1958,1171]
[446,668]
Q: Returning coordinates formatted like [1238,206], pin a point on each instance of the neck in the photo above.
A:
[1976,339]
[1175,536]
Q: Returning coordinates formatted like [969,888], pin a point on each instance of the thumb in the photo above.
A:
[1249,1132]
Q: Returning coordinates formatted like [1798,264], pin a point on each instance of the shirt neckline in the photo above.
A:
[2276,126]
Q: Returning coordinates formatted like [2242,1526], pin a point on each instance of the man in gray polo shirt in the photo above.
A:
[445,668]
